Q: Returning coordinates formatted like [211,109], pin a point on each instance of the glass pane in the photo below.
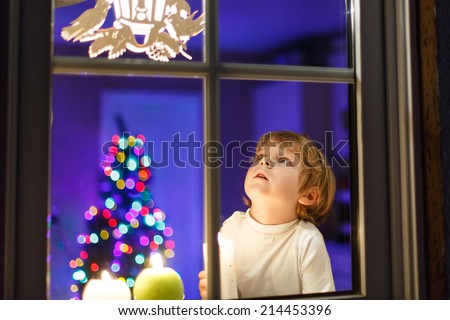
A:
[285,32]
[320,110]
[123,185]
[127,29]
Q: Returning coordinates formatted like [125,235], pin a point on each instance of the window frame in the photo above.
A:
[384,77]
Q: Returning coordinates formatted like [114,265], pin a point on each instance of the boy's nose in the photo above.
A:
[264,162]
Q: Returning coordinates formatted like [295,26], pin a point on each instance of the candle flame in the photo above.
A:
[156,260]
[106,275]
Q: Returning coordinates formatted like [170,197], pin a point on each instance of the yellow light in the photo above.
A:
[104,234]
[80,262]
[169,253]
[121,157]
[120,184]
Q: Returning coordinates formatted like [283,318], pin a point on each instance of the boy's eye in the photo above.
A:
[258,157]
[285,161]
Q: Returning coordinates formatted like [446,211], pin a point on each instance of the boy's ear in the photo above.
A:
[310,197]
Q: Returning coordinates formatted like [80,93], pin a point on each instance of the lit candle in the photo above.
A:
[158,282]
[106,289]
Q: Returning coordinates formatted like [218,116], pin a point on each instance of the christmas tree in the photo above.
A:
[127,226]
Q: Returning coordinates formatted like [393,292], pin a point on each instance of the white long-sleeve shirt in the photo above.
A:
[274,260]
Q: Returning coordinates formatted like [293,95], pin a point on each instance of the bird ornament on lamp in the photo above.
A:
[165,26]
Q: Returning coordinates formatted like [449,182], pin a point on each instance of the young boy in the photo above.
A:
[277,246]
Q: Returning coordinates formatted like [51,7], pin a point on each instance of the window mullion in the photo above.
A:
[212,206]
[287,73]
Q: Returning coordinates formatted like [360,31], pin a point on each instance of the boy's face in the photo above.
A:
[274,175]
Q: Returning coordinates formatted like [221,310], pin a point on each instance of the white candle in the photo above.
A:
[228,286]
[106,289]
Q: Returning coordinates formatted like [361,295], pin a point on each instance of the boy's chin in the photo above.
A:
[256,193]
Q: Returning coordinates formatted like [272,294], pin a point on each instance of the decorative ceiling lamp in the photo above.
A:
[164,25]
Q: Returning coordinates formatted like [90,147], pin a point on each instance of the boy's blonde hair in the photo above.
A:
[314,172]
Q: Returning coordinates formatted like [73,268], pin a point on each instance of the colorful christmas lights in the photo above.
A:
[126,227]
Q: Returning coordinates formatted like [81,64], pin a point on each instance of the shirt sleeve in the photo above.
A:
[315,266]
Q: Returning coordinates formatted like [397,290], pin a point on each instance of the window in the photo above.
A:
[213,78]
[251,92]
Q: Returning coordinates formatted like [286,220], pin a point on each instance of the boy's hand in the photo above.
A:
[202,284]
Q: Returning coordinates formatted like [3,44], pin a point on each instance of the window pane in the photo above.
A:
[115,201]
[287,32]
[114,18]
[321,110]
